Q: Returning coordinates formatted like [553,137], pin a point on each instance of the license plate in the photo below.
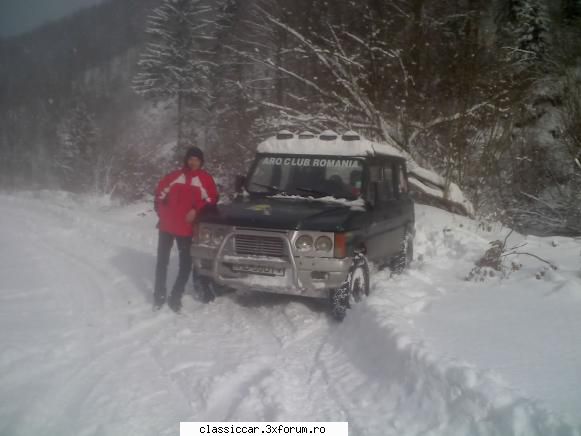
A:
[258,269]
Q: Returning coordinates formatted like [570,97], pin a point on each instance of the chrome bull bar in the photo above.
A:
[290,262]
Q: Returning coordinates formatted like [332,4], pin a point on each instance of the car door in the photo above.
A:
[383,239]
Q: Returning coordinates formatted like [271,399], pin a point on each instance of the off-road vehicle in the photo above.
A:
[313,211]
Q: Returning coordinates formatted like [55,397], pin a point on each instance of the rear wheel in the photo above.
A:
[355,287]
[402,260]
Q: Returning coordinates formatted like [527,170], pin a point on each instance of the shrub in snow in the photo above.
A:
[544,272]
[490,264]
[493,262]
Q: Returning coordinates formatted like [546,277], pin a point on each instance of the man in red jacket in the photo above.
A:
[179,196]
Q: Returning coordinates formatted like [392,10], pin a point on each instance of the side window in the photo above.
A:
[375,176]
[402,182]
[386,184]
[382,179]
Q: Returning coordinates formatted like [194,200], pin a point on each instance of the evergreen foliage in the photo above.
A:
[177,61]
[531,29]
[78,149]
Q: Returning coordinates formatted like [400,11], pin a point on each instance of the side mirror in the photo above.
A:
[239,182]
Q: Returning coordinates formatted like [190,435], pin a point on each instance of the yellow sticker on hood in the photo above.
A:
[264,208]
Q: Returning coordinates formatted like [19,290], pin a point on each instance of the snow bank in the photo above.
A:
[515,338]
[431,188]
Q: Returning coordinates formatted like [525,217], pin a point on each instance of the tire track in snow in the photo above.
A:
[94,352]
[286,362]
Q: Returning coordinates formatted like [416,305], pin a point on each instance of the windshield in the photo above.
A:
[309,176]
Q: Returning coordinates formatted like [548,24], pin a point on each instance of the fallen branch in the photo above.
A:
[506,239]
[552,265]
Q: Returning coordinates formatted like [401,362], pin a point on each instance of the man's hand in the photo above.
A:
[191,216]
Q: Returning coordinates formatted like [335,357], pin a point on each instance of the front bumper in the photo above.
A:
[306,276]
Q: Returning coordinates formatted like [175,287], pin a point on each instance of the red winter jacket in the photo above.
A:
[178,193]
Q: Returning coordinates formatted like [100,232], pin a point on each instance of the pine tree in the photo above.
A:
[232,113]
[177,63]
[530,30]
[75,162]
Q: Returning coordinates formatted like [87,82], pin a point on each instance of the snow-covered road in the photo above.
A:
[83,354]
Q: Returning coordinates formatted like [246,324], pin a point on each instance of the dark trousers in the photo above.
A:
[164,245]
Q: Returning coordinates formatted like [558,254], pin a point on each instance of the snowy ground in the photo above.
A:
[428,353]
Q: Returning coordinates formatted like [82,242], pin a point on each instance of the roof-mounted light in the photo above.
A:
[306,135]
[351,136]
[284,134]
[328,135]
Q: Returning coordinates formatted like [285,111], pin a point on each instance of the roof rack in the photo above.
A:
[351,136]
[306,135]
[285,134]
[328,135]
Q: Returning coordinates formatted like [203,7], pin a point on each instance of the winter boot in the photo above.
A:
[158,301]
[204,290]
[175,302]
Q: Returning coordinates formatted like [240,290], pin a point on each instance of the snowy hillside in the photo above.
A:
[428,353]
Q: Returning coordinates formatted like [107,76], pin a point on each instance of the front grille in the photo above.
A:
[250,245]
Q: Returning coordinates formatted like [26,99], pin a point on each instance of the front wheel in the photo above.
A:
[206,289]
[355,287]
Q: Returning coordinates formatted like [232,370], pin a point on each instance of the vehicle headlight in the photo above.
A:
[323,243]
[304,243]
[218,236]
[205,235]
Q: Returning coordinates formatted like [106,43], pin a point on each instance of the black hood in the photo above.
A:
[282,213]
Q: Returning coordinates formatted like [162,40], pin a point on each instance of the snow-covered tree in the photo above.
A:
[410,73]
[76,159]
[528,30]
[532,27]
[232,111]
[176,63]
[571,115]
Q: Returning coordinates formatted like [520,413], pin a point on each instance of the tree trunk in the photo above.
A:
[180,122]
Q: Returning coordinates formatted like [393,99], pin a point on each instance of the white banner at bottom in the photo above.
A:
[264,428]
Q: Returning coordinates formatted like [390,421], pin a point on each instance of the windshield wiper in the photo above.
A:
[272,188]
[314,191]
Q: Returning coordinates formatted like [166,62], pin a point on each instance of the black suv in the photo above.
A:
[312,212]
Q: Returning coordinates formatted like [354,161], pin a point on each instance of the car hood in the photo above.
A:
[283,213]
